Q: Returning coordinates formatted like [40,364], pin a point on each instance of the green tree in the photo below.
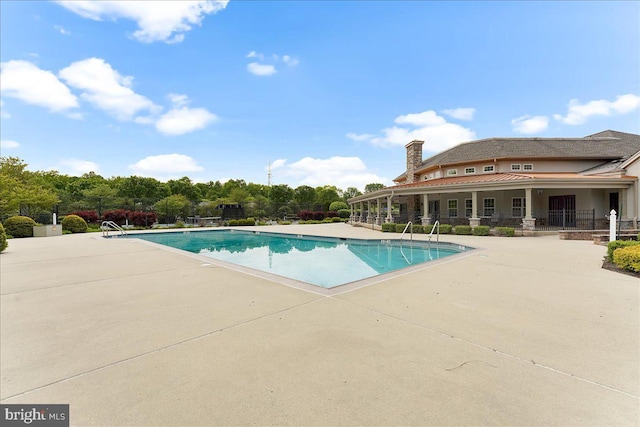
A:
[171,207]
[350,193]
[304,195]
[281,194]
[185,187]
[373,187]
[239,195]
[326,194]
[138,187]
[21,191]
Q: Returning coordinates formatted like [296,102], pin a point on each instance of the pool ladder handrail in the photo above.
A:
[405,230]
[436,226]
[107,225]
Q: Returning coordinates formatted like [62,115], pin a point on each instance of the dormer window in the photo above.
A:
[452,172]
[527,167]
[516,167]
[469,170]
[488,168]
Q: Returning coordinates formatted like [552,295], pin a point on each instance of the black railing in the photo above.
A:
[565,219]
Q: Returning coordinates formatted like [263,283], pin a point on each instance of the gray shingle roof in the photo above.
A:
[605,145]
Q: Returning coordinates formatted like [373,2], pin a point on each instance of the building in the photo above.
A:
[528,183]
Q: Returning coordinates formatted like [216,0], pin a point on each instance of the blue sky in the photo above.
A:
[327,92]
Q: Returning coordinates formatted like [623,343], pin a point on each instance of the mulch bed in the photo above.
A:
[607,265]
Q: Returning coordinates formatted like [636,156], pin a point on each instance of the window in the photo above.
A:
[489,168]
[438,174]
[451,172]
[488,207]
[468,208]
[527,167]
[518,205]
[516,167]
[453,208]
[470,170]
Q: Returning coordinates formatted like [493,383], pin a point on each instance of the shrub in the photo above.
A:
[19,226]
[233,222]
[143,219]
[418,229]
[311,221]
[305,215]
[611,247]
[444,228]
[627,258]
[462,229]
[319,215]
[505,231]
[74,224]
[337,206]
[327,220]
[388,227]
[88,216]
[481,230]
[281,223]
[3,239]
[179,224]
[336,219]
[400,228]
[344,213]
[330,214]
[119,216]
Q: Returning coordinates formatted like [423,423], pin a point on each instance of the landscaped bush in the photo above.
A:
[419,229]
[3,239]
[305,215]
[281,223]
[611,246]
[327,221]
[388,227]
[336,219]
[233,223]
[88,216]
[444,228]
[319,215]
[505,231]
[337,206]
[627,258]
[481,230]
[330,214]
[344,213]
[310,221]
[462,229]
[19,226]
[400,228]
[74,224]
[119,216]
[142,219]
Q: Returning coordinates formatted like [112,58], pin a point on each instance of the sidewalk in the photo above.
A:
[528,331]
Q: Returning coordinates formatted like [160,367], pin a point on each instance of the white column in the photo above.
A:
[378,210]
[389,216]
[474,204]
[528,203]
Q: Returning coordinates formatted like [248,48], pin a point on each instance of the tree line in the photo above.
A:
[37,194]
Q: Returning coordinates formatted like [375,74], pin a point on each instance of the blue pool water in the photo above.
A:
[325,262]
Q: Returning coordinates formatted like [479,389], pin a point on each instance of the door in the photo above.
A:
[434,210]
[614,203]
[562,211]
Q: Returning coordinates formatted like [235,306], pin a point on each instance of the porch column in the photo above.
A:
[351,214]
[426,219]
[389,216]
[474,221]
[529,222]
[368,211]
[378,212]
[361,217]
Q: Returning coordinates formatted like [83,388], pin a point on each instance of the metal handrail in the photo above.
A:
[405,230]
[436,226]
[107,225]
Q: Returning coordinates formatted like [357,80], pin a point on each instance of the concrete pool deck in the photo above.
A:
[528,331]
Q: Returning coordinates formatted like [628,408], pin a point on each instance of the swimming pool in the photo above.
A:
[321,261]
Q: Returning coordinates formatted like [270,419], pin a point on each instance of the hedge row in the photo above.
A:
[120,217]
[627,258]
[480,230]
[242,222]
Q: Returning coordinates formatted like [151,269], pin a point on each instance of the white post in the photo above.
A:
[54,218]
[612,225]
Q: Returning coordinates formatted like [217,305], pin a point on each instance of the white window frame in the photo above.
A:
[527,167]
[488,168]
[520,210]
[468,208]
[469,170]
[516,167]
[452,210]
[452,172]
[488,211]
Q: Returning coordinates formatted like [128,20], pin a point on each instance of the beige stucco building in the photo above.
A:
[532,183]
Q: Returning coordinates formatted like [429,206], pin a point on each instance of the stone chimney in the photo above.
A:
[414,159]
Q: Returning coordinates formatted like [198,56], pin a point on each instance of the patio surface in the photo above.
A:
[527,331]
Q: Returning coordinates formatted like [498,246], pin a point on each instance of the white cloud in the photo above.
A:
[261,69]
[157,20]
[342,172]
[276,164]
[528,125]
[25,81]
[79,167]
[427,126]
[359,137]
[9,144]
[254,54]
[184,120]
[461,113]
[291,62]
[165,165]
[62,30]
[578,114]
[178,100]
[106,89]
